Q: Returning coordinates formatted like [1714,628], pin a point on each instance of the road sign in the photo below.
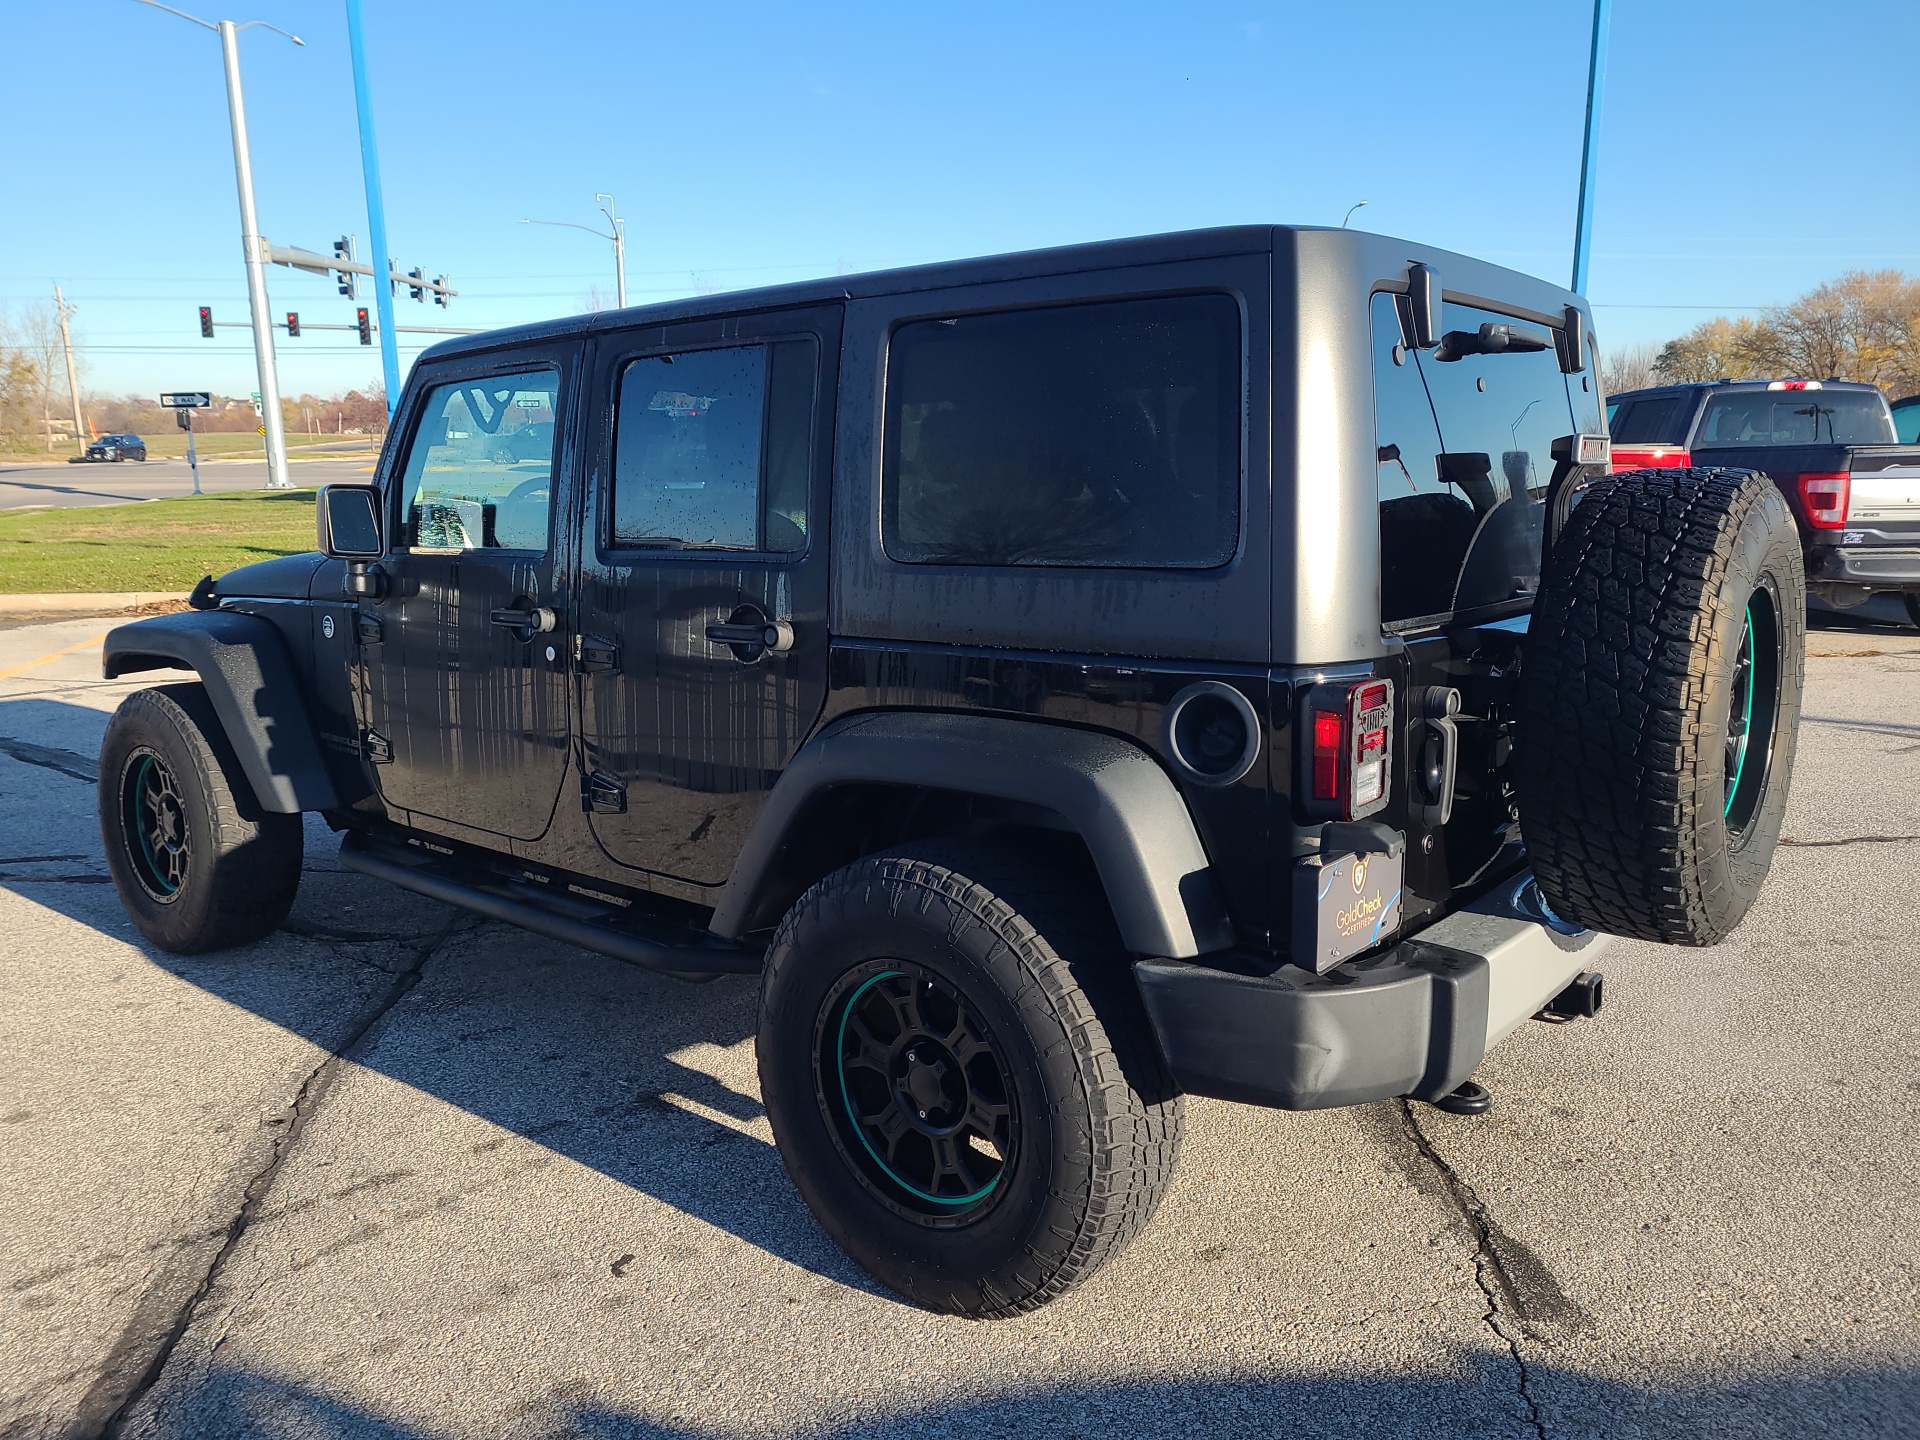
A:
[187,400]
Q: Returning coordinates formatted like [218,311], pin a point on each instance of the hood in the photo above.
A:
[288,578]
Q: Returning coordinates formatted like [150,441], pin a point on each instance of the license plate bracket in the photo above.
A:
[1343,906]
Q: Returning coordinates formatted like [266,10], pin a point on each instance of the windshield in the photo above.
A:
[1796,417]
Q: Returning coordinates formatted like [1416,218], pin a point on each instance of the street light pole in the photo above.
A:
[250,241]
[619,246]
[1590,144]
[376,210]
[73,383]
[256,268]
[618,235]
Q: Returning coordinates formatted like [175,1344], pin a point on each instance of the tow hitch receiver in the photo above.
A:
[1579,1001]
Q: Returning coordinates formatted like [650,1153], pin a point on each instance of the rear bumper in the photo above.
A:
[1875,568]
[1415,1019]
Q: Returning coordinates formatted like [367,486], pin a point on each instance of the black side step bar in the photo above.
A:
[589,925]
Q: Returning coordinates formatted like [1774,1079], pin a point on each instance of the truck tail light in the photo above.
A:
[1824,493]
[1650,457]
[1351,727]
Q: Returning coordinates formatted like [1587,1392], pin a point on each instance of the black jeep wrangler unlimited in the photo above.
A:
[1215,663]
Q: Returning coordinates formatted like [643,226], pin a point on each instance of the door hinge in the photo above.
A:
[596,652]
[601,794]
[368,630]
[377,747]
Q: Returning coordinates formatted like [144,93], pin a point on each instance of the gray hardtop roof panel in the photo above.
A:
[1385,255]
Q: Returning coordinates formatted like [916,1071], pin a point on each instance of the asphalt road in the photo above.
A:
[397,1173]
[72,485]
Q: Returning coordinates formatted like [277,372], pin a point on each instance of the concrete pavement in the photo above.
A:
[64,486]
[397,1173]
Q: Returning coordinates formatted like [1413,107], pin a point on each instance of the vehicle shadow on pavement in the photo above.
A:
[647,1080]
[1483,1400]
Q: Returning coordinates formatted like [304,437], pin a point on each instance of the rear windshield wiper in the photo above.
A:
[1490,339]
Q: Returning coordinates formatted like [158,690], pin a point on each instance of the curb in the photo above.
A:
[96,602]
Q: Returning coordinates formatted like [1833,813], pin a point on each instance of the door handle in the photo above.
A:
[525,623]
[750,634]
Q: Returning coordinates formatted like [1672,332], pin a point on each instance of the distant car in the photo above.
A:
[532,441]
[117,447]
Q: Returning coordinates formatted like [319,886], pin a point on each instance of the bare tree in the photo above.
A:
[1863,326]
[1716,349]
[1629,369]
[35,330]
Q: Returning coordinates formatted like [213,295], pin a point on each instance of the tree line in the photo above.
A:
[1863,326]
[33,392]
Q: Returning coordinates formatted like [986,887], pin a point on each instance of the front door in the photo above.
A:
[702,646]
[466,695]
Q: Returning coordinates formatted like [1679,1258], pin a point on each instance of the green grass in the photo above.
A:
[172,444]
[161,545]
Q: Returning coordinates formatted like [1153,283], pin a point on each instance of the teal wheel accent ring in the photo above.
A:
[924,1106]
[154,819]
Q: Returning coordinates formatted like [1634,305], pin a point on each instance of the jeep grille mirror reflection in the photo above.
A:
[349,522]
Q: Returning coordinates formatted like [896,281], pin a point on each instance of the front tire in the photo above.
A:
[961,1078]
[199,866]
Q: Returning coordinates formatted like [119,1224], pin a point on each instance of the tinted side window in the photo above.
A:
[479,473]
[712,447]
[1499,415]
[1425,525]
[1906,422]
[1102,435]
[1657,420]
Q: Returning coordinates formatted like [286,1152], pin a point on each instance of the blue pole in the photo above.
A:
[381,259]
[1596,88]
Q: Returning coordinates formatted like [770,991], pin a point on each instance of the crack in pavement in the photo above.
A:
[1522,1296]
[94,1418]
[1849,840]
[67,762]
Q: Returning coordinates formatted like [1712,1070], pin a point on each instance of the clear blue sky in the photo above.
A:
[1750,150]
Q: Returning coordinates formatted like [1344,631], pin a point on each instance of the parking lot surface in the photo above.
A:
[401,1173]
[66,486]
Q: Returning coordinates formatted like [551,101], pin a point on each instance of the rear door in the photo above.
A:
[703,531]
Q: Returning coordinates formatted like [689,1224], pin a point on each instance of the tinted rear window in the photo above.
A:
[1796,417]
[1465,457]
[1906,421]
[1097,435]
[1656,420]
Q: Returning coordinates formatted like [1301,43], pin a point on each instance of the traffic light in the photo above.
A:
[440,293]
[343,250]
[293,324]
[417,290]
[206,322]
[366,327]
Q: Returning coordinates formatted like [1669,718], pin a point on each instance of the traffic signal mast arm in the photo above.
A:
[342,263]
[367,328]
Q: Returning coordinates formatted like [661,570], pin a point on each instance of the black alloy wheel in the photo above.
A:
[1753,712]
[915,1091]
[154,824]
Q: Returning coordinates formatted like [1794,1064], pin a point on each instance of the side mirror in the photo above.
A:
[348,517]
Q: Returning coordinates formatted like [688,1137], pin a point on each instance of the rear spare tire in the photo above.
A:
[1659,703]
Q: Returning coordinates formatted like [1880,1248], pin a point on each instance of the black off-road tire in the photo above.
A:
[198,864]
[1028,961]
[1673,605]
[1913,609]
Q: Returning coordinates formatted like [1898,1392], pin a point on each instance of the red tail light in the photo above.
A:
[1824,493]
[1351,750]
[1650,457]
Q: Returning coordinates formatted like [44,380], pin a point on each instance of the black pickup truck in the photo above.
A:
[1830,445]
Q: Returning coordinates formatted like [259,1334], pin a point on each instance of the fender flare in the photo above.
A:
[255,690]
[1113,793]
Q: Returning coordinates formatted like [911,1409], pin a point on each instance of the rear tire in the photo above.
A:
[961,1078]
[199,866]
[1660,703]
